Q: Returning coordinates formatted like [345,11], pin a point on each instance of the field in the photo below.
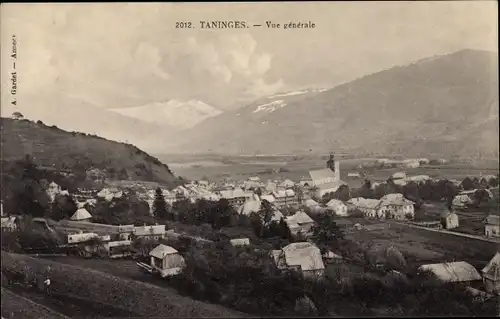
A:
[297,167]
[15,306]
[125,294]
[422,246]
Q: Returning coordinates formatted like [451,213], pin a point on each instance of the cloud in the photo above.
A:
[116,54]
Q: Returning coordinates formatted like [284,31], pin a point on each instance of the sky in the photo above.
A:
[114,55]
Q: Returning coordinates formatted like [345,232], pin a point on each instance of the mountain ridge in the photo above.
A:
[54,147]
[384,112]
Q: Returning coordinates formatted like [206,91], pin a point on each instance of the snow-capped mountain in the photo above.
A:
[174,113]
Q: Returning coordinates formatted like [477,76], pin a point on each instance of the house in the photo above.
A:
[285,198]
[492,226]
[240,242]
[369,207]
[9,223]
[53,190]
[411,164]
[353,175]
[461,200]
[396,206]
[286,184]
[398,175]
[449,219]
[418,178]
[332,257]
[300,222]
[269,198]
[491,275]
[254,178]
[271,187]
[338,207]
[236,197]
[254,206]
[455,272]
[109,193]
[149,232]
[303,257]
[166,260]
[82,215]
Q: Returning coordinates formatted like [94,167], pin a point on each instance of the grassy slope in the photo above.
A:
[141,298]
[50,146]
[15,306]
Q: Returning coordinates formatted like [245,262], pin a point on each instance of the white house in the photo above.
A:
[492,226]
[398,207]
[449,219]
[166,260]
[9,223]
[338,207]
[491,275]
[303,257]
[53,190]
[154,232]
[300,222]
[461,200]
[369,207]
[81,215]
[240,242]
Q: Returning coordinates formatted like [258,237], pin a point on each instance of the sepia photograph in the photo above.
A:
[250,159]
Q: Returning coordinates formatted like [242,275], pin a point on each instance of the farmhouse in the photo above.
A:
[369,207]
[166,260]
[9,223]
[303,257]
[397,207]
[149,232]
[300,222]
[121,232]
[461,200]
[491,275]
[338,207]
[82,215]
[449,220]
[492,226]
[455,272]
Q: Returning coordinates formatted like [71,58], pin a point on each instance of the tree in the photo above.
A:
[467,184]
[63,207]
[410,191]
[28,195]
[284,230]
[366,190]
[327,233]
[343,193]
[17,116]
[160,205]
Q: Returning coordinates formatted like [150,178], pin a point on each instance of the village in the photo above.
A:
[300,205]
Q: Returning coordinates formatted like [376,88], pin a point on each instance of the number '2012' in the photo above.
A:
[183,25]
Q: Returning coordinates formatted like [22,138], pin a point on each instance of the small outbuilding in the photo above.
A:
[166,260]
[81,215]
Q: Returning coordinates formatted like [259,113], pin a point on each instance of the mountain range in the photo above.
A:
[173,113]
[446,105]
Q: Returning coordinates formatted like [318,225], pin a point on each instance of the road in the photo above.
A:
[491,240]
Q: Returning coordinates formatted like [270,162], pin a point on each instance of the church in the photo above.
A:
[327,180]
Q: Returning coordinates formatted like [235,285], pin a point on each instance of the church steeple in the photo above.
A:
[331,162]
